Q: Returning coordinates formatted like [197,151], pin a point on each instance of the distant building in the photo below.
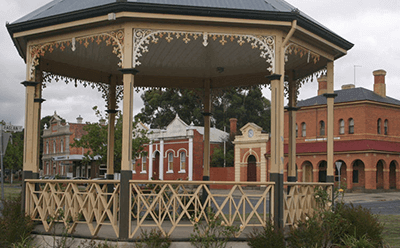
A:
[61,159]
[176,152]
[366,139]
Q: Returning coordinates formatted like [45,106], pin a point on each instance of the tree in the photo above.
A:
[95,140]
[13,158]
[161,106]
[248,105]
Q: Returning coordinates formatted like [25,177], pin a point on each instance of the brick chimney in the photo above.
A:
[233,126]
[322,85]
[348,86]
[379,82]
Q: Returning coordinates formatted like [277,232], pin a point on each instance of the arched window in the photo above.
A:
[322,128]
[170,161]
[341,126]
[144,163]
[385,125]
[303,129]
[351,125]
[297,130]
[54,146]
[47,147]
[183,161]
[379,124]
[62,146]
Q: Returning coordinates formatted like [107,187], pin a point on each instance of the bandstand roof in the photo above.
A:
[178,64]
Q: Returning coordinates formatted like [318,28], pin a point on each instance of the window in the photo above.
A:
[170,161]
[47,147]
[62,146]
[54,146]
[297,130]
[379,124]
[341,126]
[144,164]
[322,128]
[303,129]
[351,125]
[355,176]
[183,161]
[385,125]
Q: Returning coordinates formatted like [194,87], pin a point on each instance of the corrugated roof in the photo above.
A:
[349,95]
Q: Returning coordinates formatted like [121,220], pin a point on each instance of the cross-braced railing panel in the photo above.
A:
[94,203]
[300,201]
[170,205]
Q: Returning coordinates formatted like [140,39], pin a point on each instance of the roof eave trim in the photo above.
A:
[181,10]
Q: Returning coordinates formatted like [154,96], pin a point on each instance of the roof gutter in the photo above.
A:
[290,34]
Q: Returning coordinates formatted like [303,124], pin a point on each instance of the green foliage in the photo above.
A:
[337,225]
[95,140]
[13,158]
[353,242]
[269,237]
[361,222]
[212,234]
[217,158]
[161,106]
[15,227]
[153,239]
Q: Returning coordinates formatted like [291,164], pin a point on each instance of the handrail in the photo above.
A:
[199,182]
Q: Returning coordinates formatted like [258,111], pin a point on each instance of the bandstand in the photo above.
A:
[117,46]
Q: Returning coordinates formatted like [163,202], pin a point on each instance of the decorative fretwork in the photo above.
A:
[301,81]
[101,87]
[300,202]
[113,38]
[295,49]
[143,37]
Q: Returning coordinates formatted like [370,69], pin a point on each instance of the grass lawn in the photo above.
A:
[391,233]
[11,190]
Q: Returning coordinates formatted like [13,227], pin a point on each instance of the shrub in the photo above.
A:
[15,226]
[267,237]
[361,223]
[212,234]
[153,239]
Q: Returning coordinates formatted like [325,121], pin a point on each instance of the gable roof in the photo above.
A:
[349,95]
[61,11]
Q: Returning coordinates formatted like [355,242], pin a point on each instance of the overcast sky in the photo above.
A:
[372,26]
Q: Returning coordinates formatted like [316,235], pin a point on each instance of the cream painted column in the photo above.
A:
[161,162]
[330,96]
[237,163]
[277,125]
[207,115]
[111,127]
[292,130]
[126,161]
[37,113]
[150,172]
[263,173]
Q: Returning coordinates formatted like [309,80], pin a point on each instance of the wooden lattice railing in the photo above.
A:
[171,206]
[300,201]
[91,202]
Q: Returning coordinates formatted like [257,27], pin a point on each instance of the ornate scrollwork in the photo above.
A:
[101,87]
[113,38]
[295,49]
[143,37]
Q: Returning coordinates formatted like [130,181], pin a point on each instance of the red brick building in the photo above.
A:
[366,139]
[59,158]
[176,152]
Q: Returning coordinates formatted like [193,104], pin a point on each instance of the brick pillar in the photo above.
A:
[370,178]
[386,180]
[349,180]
